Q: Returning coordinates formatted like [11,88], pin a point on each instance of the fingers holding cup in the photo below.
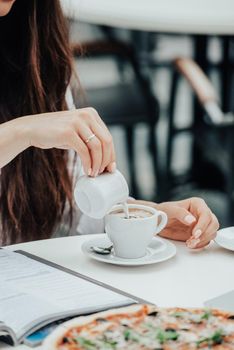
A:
[108,151]
[204,232]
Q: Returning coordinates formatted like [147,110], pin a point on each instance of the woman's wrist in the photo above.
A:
[13,139]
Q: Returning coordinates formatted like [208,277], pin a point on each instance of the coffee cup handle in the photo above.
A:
[163,221]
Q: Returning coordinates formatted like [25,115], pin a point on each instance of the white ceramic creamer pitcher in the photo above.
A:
[95,196]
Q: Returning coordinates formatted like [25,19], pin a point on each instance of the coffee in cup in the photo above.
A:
[133,213]
[131,236]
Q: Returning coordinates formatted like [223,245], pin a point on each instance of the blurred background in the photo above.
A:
[173,132]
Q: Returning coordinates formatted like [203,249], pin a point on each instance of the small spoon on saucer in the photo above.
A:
[102,250]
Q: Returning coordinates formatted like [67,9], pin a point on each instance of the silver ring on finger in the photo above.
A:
[90,138]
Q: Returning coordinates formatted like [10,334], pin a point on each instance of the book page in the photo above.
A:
[35,291]
[18,310]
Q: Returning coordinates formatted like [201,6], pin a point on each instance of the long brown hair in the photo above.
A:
[35,70]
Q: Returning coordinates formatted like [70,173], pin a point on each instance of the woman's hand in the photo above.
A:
[189,220]
[72,130]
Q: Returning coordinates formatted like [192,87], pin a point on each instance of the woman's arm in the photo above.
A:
[64,130]
[13,140]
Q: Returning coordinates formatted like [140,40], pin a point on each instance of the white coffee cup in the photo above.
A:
[95,196]
[131,237]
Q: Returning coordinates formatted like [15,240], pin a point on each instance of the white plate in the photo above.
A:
[225,238]
[159,250]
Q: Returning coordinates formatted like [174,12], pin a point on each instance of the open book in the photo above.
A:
[35,293]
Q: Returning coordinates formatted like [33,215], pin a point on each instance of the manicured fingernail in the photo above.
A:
[193,243]
[189,219]
[197,233]
[113,167]
[89,172]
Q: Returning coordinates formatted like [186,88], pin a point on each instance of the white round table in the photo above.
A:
[177,16]
[188,279]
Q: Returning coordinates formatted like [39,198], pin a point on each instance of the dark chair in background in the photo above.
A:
[132,101]
[213,136]
[127,104]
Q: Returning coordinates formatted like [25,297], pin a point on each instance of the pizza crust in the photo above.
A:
[56,336]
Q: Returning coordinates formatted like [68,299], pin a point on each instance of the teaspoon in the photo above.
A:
[101,250]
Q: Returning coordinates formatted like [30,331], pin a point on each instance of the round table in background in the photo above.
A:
[177,16]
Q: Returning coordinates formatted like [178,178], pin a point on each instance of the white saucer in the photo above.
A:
[159,250]
[225,238]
